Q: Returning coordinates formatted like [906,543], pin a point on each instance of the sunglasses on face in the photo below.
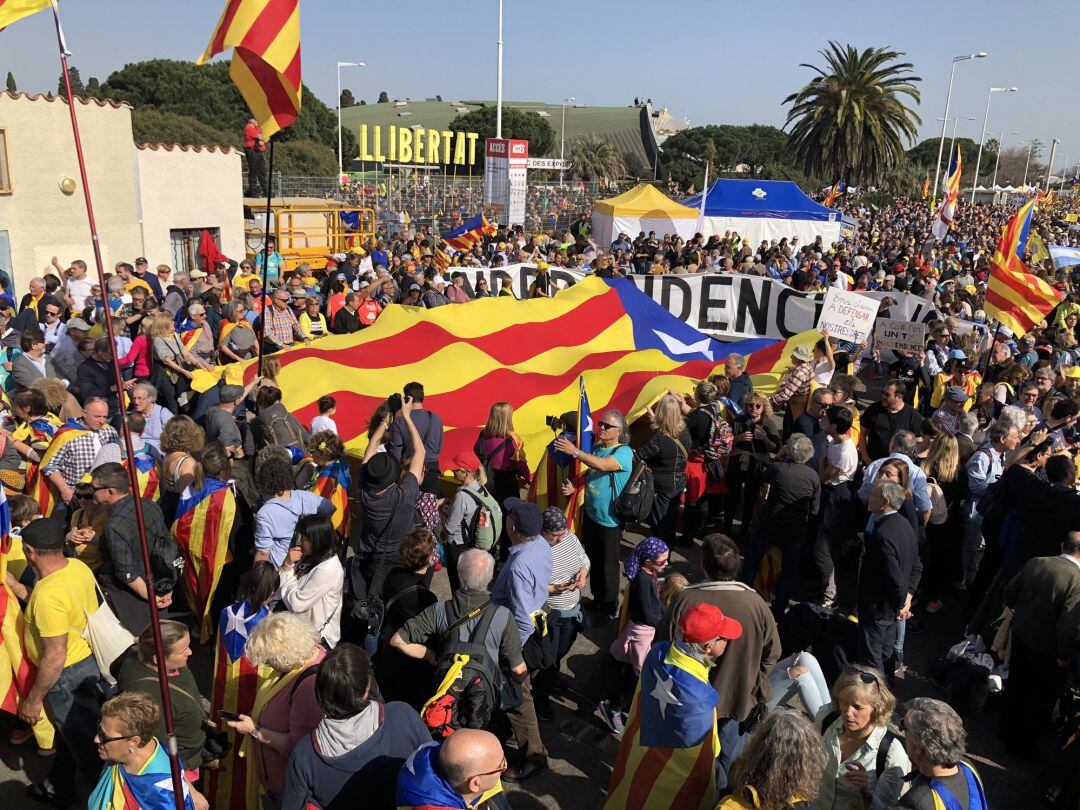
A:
[606,426]
[103,739]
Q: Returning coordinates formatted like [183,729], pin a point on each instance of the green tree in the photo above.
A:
[151,125]
[304,158]
[384,97]
[593,158]
[347,98]
[93,87]
[635,166]
[363,103]
[924,155]
[77,86]
[515,124]
[852,119]
[731,149]
[11,86]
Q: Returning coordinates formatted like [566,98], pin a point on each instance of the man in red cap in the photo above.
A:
[668,751]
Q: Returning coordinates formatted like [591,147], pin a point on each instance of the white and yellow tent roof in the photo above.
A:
[643,201]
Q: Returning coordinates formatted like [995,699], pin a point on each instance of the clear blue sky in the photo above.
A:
[716,61]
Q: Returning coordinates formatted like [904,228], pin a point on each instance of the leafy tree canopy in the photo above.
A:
[763,148]
[515,124]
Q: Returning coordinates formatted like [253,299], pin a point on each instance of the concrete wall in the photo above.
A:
[189,187]
[41,220]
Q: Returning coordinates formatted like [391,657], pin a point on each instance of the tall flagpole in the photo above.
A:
[159,649]
[266,251]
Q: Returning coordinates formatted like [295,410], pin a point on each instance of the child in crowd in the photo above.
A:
[325,419]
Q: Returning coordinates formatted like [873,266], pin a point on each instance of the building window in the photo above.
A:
[185,246]
[5,174]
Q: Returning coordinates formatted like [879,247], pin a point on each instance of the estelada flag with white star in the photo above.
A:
[236,682]
[668,750]
[528,353]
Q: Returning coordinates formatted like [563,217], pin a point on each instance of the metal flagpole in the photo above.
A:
[266,252]
[159,649]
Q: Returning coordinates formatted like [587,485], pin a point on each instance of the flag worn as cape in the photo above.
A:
[149,789]
[333,482]
[202,529]
[236,682]
[420,786]
[667,755]
[41,488]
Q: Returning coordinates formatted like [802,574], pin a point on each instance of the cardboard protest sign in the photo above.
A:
[903,336]
[847,316]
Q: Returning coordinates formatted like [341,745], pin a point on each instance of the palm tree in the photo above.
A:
[851,120]
[594,159]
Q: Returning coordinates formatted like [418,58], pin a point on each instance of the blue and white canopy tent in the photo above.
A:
[765,210]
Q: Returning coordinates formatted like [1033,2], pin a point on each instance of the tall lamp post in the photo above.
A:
[1050,165]
[498,78]
[997,161]
[952,142]
[948,106]
[982,138]
[562,135]
[340,157]
[1064,173]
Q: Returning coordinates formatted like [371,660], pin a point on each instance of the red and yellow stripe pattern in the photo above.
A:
[333,482]
[39,487]
[265,38]
[529,353]
[1015,297]
[202,529]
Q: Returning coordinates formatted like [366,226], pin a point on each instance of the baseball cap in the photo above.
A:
[78,323]
[527,516]
[956,354]
[197,274]
[230,393]
[704,622]
[956,394]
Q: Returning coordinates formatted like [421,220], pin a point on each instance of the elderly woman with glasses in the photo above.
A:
[865,763]
[608,471]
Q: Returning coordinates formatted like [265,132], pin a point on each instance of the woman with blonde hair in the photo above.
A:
[666,453]
[865,763]
[946,484]
[180,439]
[780,766]
[502,451]
[755,440]
[174,363]
[58,400]
[285,709]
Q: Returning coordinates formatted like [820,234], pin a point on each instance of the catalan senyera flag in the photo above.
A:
[529,353]
[39,432]
[926,186]
[190,336]
[40,488]
[333,482]
[667,756]
[468,233]
[1015,297]
[12,10]
[265,38]
[946,213]
[202,528]
[236,682]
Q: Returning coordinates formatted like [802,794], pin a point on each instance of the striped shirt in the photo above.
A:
[567,558]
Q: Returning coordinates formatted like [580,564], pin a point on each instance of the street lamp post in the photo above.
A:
[982,138]
[704,191]
[1050,165]
[340,157]
[499,78]
[562,136]
[1064,172]
[952,143]
[997,161]
[948,106]
[1027,163]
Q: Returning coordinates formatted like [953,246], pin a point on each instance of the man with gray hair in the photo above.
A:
[794,497]
[889,573]
[935,739]
[144,398]
[178,294]
[983,469]
[433,631]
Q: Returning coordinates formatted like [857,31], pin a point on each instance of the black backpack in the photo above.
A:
[634,504]
[469,698]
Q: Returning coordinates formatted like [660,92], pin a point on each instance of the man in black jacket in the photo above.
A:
[794,497]
[888,576]
[95,376]
[741,384]
[346,320]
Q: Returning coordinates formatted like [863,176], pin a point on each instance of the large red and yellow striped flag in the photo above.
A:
[202,528]
[236,682]
[265,38]
[529,353]
[12,10]
[1015,297]
[40,488]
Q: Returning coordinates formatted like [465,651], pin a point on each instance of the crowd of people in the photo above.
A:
[830,532]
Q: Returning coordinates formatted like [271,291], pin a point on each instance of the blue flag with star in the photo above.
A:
[236,626]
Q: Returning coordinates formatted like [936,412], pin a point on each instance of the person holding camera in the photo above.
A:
[428,425]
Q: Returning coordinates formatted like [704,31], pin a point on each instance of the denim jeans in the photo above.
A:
[73,704]
[811,686]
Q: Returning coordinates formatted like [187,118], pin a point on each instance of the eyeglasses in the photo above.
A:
[85,496]
[103,739]
[99,489]
[51,314]
[865,677]
[501,769]
[606,426]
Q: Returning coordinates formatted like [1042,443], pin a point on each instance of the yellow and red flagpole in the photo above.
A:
[133,476]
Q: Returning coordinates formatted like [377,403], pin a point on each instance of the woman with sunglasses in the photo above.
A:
[138,765]
[609,467]
[755,439]
[865,763]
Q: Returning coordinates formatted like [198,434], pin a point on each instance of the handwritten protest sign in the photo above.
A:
[847,315]
[904,336]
